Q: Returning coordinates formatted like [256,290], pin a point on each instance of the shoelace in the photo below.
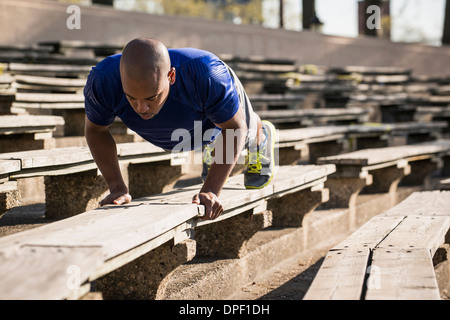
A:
[207,155]
[253,161]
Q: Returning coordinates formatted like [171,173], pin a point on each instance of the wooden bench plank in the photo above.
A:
[418,232]
[52,160]
[50,81]
[289,135]
[51,157]
[299,115]
[341,275]
[374,156]
[234,194]
[428,203]
[49,97]
[119,230]
[16,106]
[402,274]
[114,223]
[149,219]
[402,245]
[371,233]
[47,273]
[55,69]
[16,124]
[7,166]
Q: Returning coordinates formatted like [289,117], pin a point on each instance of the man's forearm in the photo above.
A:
[104,151]
[226,156]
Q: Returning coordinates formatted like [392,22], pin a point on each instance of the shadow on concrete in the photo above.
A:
[296,288]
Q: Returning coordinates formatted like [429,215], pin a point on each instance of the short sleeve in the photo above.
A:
[98,100]
[219,95]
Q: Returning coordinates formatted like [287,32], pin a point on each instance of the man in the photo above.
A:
[155,92]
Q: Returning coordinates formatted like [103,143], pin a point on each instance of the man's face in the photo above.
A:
[148,97]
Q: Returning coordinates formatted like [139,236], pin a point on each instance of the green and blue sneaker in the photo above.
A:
[261,160]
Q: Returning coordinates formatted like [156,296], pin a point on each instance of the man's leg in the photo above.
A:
[260,143]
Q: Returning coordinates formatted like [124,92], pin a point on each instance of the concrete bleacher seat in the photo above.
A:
[69,105]
[391,256]
[52,70]
[98,242]
[310,117]
[310,143]
[381,170]
[24,83]
[28,132]
[275,101]
[77,47]
[261,75]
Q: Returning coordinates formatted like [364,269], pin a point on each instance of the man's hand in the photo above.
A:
[116,198]
[213,207]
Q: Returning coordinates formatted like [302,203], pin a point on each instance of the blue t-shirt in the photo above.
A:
[203,94]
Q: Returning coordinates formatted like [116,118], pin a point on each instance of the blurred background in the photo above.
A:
[413,34]
[417,21]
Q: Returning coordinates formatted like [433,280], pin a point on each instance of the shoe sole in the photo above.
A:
[273,130]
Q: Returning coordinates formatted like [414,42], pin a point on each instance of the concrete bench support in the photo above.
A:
[344,192]
[289,156]
[20,142]
[421,172]
[324,149]
[152,178]
[228,239]
[63,191]
[9,196]
[386,180]
[289,210]
[145,277]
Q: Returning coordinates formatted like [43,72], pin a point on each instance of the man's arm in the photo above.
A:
[104,151]
[221,168]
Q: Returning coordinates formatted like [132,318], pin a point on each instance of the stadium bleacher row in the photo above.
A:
[354,143]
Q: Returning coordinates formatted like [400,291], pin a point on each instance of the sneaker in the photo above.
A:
[207,160]
[261,162]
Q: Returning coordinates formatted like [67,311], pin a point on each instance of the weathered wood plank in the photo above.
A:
[46,273]
[7,166]
[49,157]
[10,124]
[118,230]
[368,157]
[310,133]
[292,115]
[418,232]
[402,274]
[47,105]
[121,228]
[341,276]
[371,233]
[428,203]
[70,156]
[50,81]
[49,97]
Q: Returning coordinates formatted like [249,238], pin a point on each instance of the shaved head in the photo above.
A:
[144,58]
[146,74]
